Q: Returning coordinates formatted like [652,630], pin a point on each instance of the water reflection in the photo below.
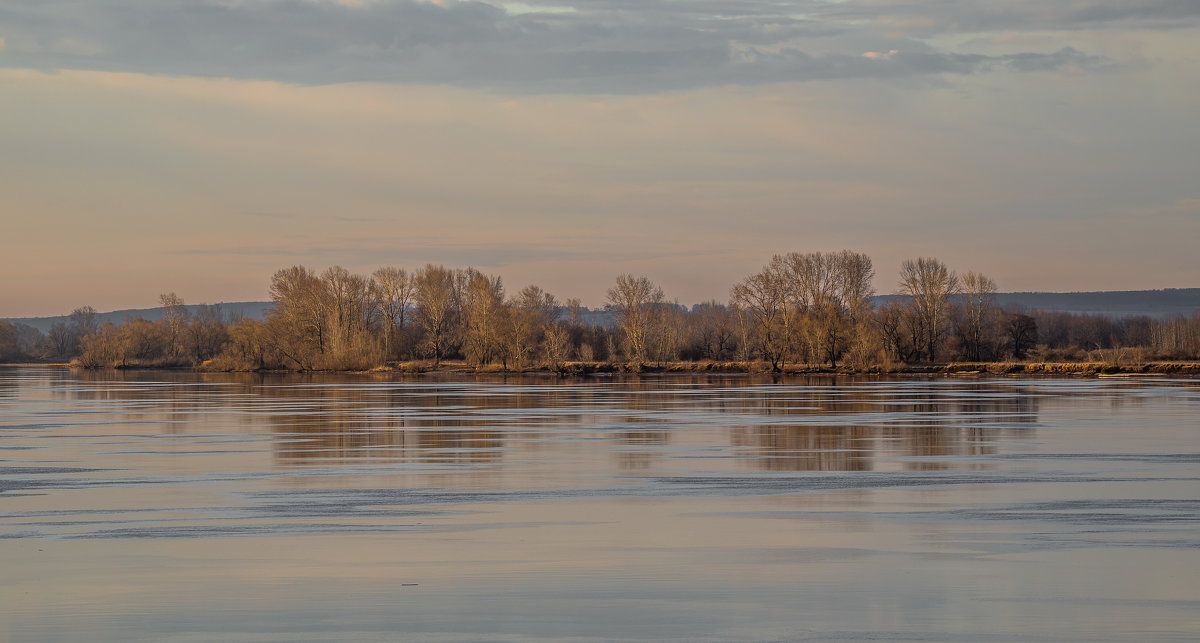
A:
[732,508]
[780,424]
[771,424]
[9,382]
[808,448]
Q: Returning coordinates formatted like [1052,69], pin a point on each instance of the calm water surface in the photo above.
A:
[184,507]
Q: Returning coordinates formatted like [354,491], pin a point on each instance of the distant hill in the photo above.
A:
[230,310]
[1115,303]
[1118,303]
[242,310]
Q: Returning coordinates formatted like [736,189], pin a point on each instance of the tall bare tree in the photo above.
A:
[84,321]
[533,312]
[856,283]
[713,330]
[297,326]
[351,312]
[206,333]
[829,292]
[666,331]
[175,320]
[929,285]
[557,345]
[763,303]
[485,318]
[979,309]
[634,300]
[438,295]
[394,292]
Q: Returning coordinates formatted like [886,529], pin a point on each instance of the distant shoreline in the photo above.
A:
[601,369]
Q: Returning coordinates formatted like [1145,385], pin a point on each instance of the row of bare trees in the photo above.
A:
[61,341]
[342,320]
[180,338]
[815,308]
[805,307]
[800,309]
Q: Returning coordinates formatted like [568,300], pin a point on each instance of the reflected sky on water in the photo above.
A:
[164,505]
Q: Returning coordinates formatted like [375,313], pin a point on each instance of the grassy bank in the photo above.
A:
[1076,369]
[959,368]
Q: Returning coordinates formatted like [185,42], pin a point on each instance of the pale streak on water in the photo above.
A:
[163,506]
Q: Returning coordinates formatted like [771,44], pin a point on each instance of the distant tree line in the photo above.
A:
[800,310]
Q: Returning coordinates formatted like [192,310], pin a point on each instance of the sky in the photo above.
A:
[197,146]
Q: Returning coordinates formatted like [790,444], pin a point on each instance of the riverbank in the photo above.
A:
[954,368]
[959,369]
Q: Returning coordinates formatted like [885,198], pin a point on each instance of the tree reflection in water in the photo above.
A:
[813,423]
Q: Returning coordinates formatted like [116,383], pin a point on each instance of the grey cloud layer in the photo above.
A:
[558,46]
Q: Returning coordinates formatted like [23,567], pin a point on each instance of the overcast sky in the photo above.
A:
[197,146]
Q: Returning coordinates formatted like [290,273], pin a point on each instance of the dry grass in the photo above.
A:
[162,362]
[582,368]
[1178,368]
[418,366]
[226,364]
[1074,368]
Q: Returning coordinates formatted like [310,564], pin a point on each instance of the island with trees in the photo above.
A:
[803,312]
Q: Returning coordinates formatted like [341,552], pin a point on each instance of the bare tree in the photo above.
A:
[929,284]
[143,342]
[297,326]
[1177,337]
[978,309]
[485,318]
[576,333]
[557,345]
[830,292]
[895,325]
[1022,334]
[84,321]
[394,292]
[633,299]
[175,321]
[438,297]
[9,344]
[856,277]
[666,327]
[206,334]
[102,348]
[713,331]
[351,313]
[61,341]
[249,346]
[762,301]
[533,312]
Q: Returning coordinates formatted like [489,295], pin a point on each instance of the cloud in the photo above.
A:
[359,219]
[563,46]
[963,17]
[1184,208]
[383,251]
[142,184]
[268,215]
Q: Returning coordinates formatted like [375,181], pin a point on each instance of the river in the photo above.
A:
[175,506]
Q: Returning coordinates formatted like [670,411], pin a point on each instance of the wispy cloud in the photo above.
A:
[578,46]
[376,251]
[360,219]
[268,215]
